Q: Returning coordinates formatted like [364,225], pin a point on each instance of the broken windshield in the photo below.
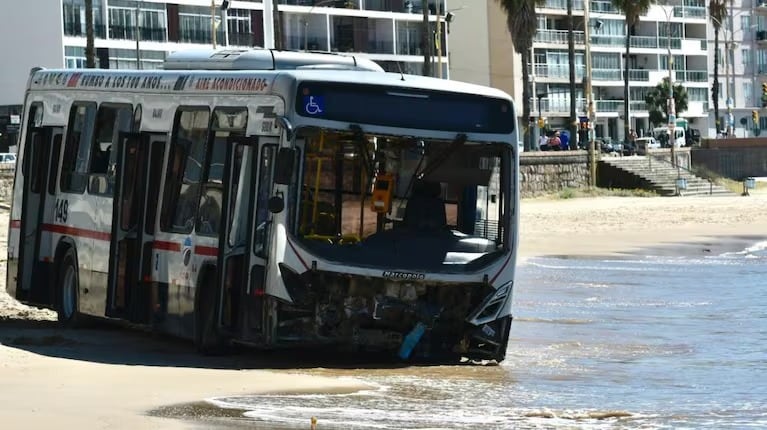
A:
[430,205]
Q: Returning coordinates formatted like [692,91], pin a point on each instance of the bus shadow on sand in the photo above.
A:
[113,343]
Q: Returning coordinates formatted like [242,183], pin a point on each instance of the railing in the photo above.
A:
[604,6]
[639,75]
[691,75]
[608,40]
[146,33]
[243,39]
[72,29]
[562,4]
[606,74]
[558,36]
[663,42]
[690,12]
[644,42]
[559,71]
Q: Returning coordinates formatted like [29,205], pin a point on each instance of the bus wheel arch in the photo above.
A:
[67,284]
[208,338]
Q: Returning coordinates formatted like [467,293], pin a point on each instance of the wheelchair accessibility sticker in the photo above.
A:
[314,105]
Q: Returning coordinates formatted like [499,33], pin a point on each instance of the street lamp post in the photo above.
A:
[671,103]
[591,113]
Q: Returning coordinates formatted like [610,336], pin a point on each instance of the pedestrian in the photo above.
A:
[555,142]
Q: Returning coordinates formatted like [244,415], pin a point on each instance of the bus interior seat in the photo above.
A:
[425,209]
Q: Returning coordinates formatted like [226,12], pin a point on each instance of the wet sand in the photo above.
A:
[113,378]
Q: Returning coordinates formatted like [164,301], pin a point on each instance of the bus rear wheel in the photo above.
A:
[68,283]
[207,337]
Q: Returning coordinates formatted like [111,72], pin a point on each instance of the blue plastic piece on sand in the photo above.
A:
[411,340]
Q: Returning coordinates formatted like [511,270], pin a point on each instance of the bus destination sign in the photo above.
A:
[151,82]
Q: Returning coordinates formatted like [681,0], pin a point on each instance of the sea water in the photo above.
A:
[651,342]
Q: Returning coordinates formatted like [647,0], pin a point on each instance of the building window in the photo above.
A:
[74,18]
[195,25]
[74,57]
[745,53]
[748,93]
[697,94]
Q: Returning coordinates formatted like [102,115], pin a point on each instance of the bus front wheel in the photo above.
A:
[68,283]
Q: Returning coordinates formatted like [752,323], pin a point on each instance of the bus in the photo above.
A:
[271,199]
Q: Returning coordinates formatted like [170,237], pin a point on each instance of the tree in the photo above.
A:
[522,22]
[90,50]
[632,10]
[717,10]
[657,102]
[571,58]
[279,35]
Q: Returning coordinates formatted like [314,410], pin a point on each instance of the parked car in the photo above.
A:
[7,159]
[645,143]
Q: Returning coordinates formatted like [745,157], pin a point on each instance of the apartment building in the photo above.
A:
[671,40]
[140,33]
[387,31]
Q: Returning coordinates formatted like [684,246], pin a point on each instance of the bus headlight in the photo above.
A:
[492,306]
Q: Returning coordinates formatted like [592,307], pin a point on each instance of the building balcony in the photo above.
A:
[145,33]
[199,36]
[77,30]
[558,37]
[246,39]
[698,12]
[760,7]
[560,106]
[691,76]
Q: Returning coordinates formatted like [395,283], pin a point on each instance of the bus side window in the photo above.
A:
[226,123]
[110,121]
[74,166]
[265,173]
[182,191]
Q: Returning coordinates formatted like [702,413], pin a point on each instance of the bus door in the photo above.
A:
[242,254]
[138,172]
[37,166]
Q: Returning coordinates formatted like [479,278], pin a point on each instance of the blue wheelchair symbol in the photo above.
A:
[314,105]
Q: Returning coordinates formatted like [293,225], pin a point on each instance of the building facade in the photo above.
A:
[132,34]
[140,33]
[681,28]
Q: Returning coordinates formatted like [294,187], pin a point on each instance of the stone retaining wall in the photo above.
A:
[551,172]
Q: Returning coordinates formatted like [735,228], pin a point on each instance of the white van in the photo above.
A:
[661,135]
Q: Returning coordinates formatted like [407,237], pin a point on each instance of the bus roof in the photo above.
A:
[232,81]
[264,59]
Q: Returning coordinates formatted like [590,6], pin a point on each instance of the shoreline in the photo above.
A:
[118,378]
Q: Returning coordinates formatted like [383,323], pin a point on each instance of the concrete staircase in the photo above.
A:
[659,175]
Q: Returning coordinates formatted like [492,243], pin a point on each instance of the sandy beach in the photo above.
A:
[111,378]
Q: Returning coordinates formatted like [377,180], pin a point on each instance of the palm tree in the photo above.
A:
[717,10]
[90,50]
[571,59]
[657,102]
[426,39]
[522,22]
[632,10]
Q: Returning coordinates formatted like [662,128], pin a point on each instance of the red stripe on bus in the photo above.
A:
[295,251]
[500,271]
[166,246]
[210,251]
[15,223]
[79,232]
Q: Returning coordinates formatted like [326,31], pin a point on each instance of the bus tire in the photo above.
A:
[207,337]
[68,288]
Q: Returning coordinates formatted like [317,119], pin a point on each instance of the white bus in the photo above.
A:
[309,201]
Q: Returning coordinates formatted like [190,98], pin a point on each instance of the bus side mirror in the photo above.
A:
[283,169]
[275,204]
